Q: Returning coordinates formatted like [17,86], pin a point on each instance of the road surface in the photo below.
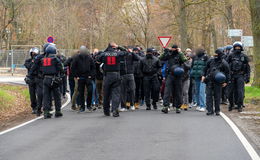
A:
[139,135]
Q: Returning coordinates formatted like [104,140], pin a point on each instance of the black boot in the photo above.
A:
[82,109]
[178,110]
[73,107]
[165,109]
[58,114]
[240,109]
[106,112]
[39,112]
[209,113]
[155,107]
[230,108]
[148,107]
[116,113]
[47,115]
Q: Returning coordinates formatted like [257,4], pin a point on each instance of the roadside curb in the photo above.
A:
[251,151]
[33,120]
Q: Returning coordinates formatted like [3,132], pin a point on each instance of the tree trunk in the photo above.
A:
[214,36]
[255,17]
[183,25]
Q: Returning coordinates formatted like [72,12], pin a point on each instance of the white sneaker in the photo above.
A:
[122,110]
[202,109]
[132,108]
[198,108]
[194,104]
[190,105]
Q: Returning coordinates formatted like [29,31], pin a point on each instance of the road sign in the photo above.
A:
[235,32]
[164,40]
[248,41]
[50,39]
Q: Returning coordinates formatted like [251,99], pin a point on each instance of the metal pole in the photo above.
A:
[12,62]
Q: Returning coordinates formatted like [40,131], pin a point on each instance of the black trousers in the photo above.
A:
[39,92]
[32,92]
[173,87]
[82,84]
[111,90]
[151,89]
[213,96]
[139,89]
[236,91]
[127,89]
[48,92]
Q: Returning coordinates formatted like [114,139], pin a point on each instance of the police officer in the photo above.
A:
[32,82]
[39,77]
[216,75]
[111,59]
[83,69]
[174,73]
[240,74]
[51,67]
[150,66]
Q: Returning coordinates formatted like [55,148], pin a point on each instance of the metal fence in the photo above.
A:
[14,59]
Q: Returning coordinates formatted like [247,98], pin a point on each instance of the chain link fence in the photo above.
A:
[12,61]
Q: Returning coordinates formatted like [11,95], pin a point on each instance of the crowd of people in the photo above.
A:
[120,79]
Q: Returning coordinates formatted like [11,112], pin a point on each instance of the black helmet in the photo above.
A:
[149,50]
[45,46]
[51,49]
[238,44]
[178,71]
[228,47]
[220,77]
[220,51]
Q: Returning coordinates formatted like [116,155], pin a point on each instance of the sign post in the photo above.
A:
[235,32]
[164,40]
[248,41]
[50,39]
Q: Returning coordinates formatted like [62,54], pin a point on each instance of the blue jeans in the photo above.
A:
[200,89]
[95,97]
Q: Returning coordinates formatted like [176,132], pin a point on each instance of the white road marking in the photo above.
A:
[251,151]
[33,120]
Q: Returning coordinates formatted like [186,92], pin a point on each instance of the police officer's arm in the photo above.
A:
[226,70]
[35,65]
[59,66]
[28,64]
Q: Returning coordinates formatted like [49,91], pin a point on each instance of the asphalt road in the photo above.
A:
[139,135]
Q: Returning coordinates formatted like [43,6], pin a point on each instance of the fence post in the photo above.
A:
[12,62]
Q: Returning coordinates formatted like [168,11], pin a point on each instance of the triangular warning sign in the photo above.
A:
[164,40]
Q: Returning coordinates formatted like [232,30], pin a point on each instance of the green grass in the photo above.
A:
[252,93]
[6,99]
[26,94]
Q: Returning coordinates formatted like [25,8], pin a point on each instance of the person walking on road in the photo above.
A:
[240,74]
[32,82]
[83,70]
[150,67]
[216,76]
